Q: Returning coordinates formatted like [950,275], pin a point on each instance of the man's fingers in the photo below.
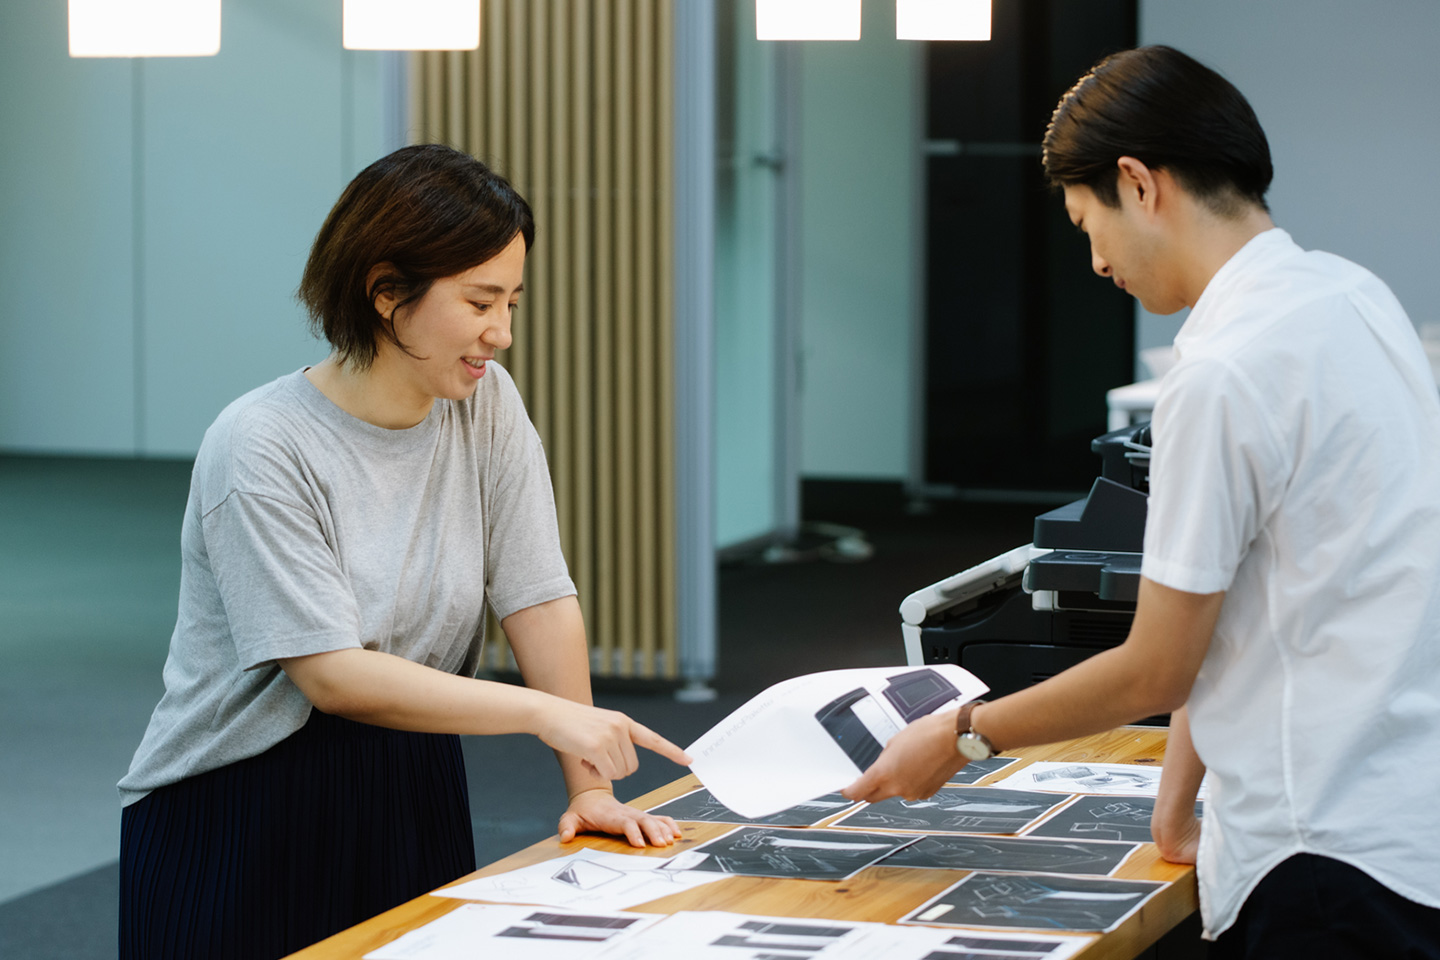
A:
[569,826]
[652,741]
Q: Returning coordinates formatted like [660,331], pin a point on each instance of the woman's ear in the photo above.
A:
[383,299]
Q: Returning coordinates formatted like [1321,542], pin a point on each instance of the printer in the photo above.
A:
[1034,611]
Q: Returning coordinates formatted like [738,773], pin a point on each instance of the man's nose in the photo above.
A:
[1098,264]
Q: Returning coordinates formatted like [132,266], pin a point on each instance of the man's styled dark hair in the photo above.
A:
[425,212]
[1168,111]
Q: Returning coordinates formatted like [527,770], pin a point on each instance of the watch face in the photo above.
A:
[973,747]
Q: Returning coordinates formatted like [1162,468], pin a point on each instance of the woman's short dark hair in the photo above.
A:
[1168,111]
[425,212]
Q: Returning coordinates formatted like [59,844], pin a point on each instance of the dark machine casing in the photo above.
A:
[1042,608]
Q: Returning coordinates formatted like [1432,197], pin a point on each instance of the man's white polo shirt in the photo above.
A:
[1297,466]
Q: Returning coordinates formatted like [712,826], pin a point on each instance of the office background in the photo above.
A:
[156,214]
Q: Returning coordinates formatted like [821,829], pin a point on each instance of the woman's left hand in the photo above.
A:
[597,811]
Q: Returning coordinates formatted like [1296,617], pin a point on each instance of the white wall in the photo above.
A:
[747,258]
[860,132]
[1346,94]
[156,217]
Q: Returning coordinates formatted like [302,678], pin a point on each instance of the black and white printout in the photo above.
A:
[1125,819]
[586,879]
[814,734]
[956,810]
[794,854]
[977,770]
[1113,778]
[524,933]
[731,936]
[1012,854]
[1038,902]
[701,805]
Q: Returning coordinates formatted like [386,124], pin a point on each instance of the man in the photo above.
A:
[1289,608]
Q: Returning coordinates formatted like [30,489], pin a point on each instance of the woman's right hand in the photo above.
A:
[603,740]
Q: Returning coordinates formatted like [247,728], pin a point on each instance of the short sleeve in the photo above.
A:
[282,588]
[523,557]
[1216,475]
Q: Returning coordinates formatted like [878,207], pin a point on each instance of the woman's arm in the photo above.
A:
[390,691]
[548,641]
[1174,825]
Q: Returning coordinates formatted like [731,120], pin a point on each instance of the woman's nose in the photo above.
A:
[498,335]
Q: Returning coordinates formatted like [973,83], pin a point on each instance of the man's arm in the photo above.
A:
[1174,826]
[548,641]
[1151,672]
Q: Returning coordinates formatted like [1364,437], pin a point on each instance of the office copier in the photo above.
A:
[1030,613]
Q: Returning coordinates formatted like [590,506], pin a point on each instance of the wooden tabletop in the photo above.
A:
[878,893]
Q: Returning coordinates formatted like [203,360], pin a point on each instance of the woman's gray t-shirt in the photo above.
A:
[308,530]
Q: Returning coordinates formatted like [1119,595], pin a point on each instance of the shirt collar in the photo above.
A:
[1209,314]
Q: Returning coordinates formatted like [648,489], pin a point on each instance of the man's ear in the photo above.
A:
[384,299]
[1140,181]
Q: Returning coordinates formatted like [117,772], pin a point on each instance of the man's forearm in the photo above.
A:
[1150,673]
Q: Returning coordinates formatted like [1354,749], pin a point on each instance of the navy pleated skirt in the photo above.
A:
[261,858]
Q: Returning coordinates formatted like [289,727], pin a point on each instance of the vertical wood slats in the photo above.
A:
[570,99]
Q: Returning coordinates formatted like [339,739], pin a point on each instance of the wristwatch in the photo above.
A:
[971,745]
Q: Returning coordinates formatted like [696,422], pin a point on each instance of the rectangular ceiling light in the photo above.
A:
[411,25]
[144,28]
[807,19]
[942,19]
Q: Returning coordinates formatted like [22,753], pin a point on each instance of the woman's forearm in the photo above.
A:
[389,691]
[548,641]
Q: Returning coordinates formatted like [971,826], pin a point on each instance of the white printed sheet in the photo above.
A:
[814,734]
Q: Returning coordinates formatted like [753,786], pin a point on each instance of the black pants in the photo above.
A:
[260,858]
[1316,907]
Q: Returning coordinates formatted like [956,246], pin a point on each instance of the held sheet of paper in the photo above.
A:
[815,734]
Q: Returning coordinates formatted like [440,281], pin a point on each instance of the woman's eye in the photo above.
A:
[514,308]
[482,307]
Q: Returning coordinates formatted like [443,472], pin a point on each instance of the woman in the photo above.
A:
[346,527]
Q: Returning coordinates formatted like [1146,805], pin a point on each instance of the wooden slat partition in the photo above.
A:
[570,99]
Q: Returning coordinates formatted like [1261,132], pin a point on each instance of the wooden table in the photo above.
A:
[877,894]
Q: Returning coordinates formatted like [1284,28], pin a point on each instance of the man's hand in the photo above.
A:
[1173,824]
[915,763]
[1176,833]
[597,811]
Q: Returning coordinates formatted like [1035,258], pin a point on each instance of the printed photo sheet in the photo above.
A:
[956,810]
[729,936]
[1012,854]
[1123,819]
[713,935]
[977,770]
[524,933]
[545,933]
[1108,778]
[701,805]
[814,734]
[809,854]
[587,879]
[1037,902]
[932,944]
